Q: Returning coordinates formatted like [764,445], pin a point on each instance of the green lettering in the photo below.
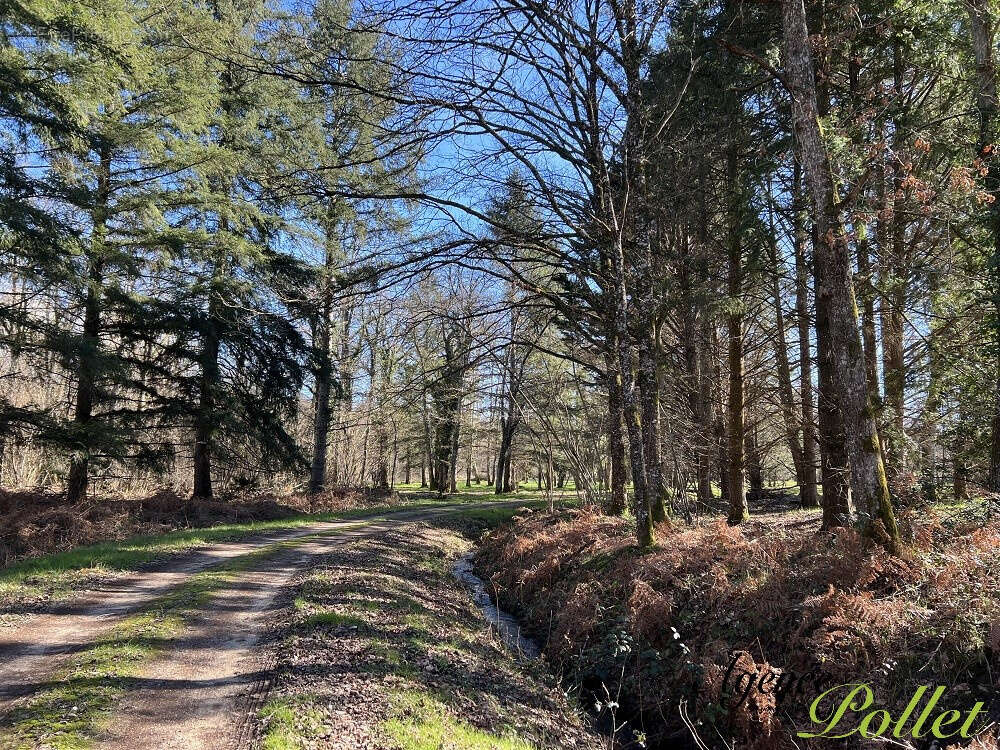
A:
[942,721]
[910,708]
[964,731]
[926,713]
[838,713]
[863,726]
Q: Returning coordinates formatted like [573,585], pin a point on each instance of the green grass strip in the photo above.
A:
[422,722]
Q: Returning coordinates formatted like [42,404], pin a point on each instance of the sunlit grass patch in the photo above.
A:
[436,565]
[422,722]
[290,723]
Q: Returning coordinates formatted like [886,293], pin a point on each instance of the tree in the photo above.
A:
[835,290]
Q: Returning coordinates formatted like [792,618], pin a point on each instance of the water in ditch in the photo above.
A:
[505,624]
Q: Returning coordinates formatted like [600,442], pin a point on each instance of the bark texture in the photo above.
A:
[835,290]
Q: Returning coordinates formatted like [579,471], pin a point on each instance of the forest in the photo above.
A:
[704,293]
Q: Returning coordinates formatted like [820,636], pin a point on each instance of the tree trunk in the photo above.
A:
[788,410]
[868,340]
[699,399]
[206,417]
[895,288]
[959,478]
[630,405]
[981,18]
[427,478]
[323,374]
[754,474]
[649,390]
[616,442]
[455,430]
[837,503]
[736,407]
[507,429]
[720,418]
[808,492]
[866,284]
[928,443]
[835,290]
[86,391]
[548,468]
[76,485]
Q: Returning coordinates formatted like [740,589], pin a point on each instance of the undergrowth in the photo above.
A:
[651,635]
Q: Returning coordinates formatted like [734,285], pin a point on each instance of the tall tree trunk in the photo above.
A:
[868,340]
[866,279]
[427,480]
[788,410]
[630,405]
[616,441]
[808,492]
[928,443]
[205,418]
[835,290]
[720,417]
[86,386]
[699,399]
[982,27]
[455,432]
[894,287]
[508,427]
[649,392]
[704,422]
[636,220]
[76,485]
[321,400]
[960,477]
[754,470]
[736,407]
[323,372]
[548,467]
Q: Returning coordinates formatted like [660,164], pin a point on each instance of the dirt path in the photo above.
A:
[197,694]
[205,662]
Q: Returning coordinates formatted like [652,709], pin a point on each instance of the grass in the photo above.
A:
[286,719]
[422,722]
[66,715]
[330,619]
